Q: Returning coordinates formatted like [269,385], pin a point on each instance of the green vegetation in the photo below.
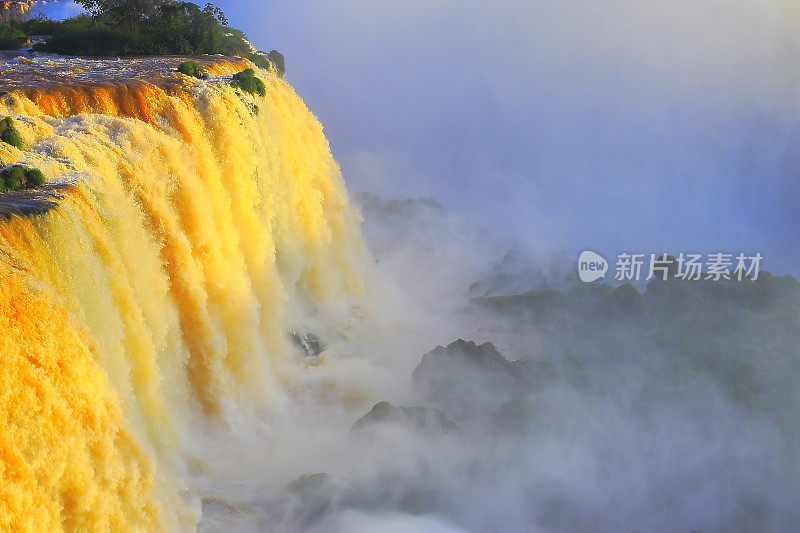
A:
[277,62]
[191,68]
[34,178]
[9,133]
[732,334]
[146,27]
[18,178]
[249,83]
[12,137]
[13,178]
[11,36]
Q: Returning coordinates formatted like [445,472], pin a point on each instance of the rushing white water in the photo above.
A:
[205,226]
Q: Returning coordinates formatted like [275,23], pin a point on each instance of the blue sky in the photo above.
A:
[607,124]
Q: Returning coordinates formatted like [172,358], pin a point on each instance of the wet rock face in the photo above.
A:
[33,202]
[481,358]
[464,377]
[309,344]
[420,418]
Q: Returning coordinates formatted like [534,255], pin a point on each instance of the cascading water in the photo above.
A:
[205,225]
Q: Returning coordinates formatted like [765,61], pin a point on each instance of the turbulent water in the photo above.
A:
[206,225]
[195,338]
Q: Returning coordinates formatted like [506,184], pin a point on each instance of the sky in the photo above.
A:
[612,125]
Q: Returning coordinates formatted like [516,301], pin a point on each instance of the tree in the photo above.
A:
[122,10]
[147,27]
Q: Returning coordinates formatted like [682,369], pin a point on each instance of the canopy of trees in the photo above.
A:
[11,37]
[146,27]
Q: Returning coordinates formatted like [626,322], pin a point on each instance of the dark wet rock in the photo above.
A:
[308,343]
[33,202]
[519,271]
[415,417]
[217,506]
[625,302]
[483,358]
[310,497]
[592,307]
[464,376]
[308,485]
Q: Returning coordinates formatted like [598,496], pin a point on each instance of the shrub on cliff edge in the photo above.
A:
[247,81]
[191,68]
[34,178]
[18,177]
[13,178]
[278,62]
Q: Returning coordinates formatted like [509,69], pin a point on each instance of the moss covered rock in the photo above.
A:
[9,133]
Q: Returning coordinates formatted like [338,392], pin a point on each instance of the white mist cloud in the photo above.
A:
[594,124]
[647,119]
[356,522]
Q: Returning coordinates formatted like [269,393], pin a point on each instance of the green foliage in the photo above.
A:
[278,62]
[9,133]
[12,137]
[191,68]
[13,178]
[11,36]
[16,173]
[126,10]
[249,83]
[40,25]
[18,177]
[34,178]
[144,27]
[79,35]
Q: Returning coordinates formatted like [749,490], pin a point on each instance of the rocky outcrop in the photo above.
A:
[33,202]
[422,418]
[464,376]
[309,344]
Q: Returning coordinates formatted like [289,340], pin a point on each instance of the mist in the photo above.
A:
[613,125]
[596,408]
[427,358]
[493,142]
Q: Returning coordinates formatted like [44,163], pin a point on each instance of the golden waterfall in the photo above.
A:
[205,225]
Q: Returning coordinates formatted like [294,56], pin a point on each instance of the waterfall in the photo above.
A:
[205,225]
